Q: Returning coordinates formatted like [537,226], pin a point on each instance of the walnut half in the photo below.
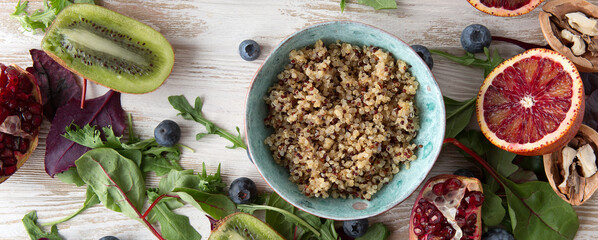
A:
[573,167]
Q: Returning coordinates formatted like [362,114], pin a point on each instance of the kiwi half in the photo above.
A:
[109,48]
[242,226]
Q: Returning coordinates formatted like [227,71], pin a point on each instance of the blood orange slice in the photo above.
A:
[531,104]
[505,8]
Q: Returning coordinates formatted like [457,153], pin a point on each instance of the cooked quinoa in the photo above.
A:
[344,118]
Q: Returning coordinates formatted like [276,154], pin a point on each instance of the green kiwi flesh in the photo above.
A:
[242,226]
[109,48]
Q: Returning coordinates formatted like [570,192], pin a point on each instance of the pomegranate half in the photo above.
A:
[20,118]
[448,207]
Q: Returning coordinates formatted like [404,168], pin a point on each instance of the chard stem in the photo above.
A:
[477,157]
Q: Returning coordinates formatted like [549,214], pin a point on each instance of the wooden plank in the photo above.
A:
[205,35]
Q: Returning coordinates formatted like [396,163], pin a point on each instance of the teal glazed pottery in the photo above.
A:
[428,101]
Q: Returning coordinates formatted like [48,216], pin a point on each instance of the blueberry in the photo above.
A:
[249,50]
[242,191]
[497,234]
[355,228]
[464,172]
[475,37]
[424,53]
[109,238]
[167,133]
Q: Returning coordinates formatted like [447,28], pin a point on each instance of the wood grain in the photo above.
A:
[205,35]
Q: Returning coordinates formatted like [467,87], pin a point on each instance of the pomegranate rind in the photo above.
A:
[471,184]
[568,126]
[502,12]
[22,158]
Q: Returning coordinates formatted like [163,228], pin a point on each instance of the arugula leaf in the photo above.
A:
[194,113]
[117,181]
[492,209]
[469,59]
[41,19]
[173,226]
[217,206]
[458,115]
[210,183]
[538,213]
[376,231]
[343,5]
[148,154]
[35,232]
[379,4]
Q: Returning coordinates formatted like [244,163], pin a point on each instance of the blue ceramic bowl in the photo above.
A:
[428,101]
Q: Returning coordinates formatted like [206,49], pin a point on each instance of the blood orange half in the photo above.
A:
[531,104]
[505,8]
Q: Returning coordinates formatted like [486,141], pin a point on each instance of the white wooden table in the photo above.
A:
[205,35]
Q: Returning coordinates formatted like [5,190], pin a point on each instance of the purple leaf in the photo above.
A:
[56,83]
[103,111]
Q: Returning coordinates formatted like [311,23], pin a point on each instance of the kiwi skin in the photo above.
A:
[243,226]
[156,54]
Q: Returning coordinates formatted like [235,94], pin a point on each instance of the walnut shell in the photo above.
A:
[585,186]
[552,18]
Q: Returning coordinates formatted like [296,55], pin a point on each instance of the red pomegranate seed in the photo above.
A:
[9,161]
[447,232]
[436,217]
[35,108]
[25,85]
[12,103]
[475,199]
[36,120]
[7,140]
[439,189]
[10,170]
[26,127]
[23,146]
[6,153]
[26,116]
[452,184]
[472,219]
[12,74]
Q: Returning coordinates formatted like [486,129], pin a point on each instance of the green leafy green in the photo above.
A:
[148,154]
[210,183]
[250,208]
[41,18]
[469,59]
[188,112]
[379,4]
[492,209]
[116,180]
[538,213]
[217,206]
[277,220]
[534,209]
[173,226]
[376,231]
[90,201]
[458,115]
[35,232]
[71,176]
[343,3]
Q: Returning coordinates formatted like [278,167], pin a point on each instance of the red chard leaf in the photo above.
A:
[57,84]
[103,111]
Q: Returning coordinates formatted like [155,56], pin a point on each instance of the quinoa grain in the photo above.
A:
[344,118]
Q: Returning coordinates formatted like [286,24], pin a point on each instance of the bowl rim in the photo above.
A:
[286,198]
